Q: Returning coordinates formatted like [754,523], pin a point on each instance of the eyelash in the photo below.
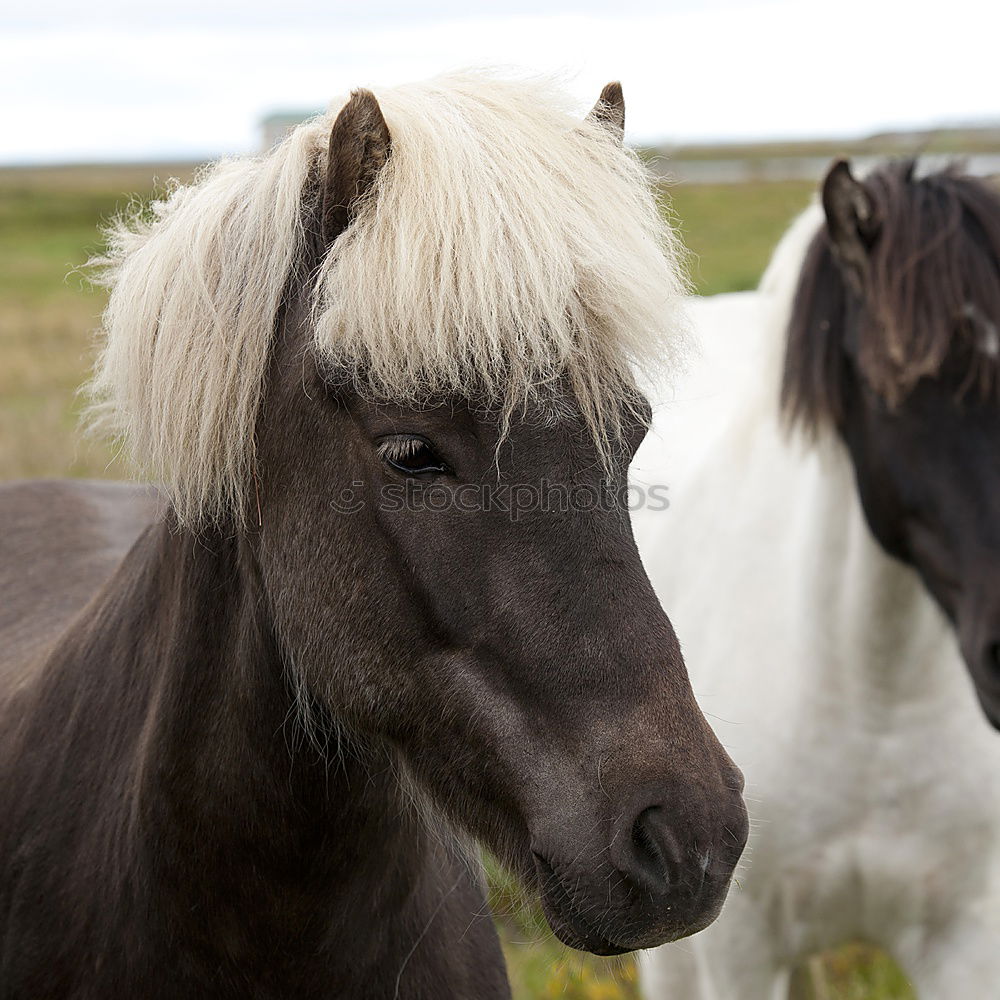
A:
[401,450]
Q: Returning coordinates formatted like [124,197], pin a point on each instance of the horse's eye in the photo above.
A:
[411,454]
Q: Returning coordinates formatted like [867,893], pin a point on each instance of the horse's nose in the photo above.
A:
[991,658]
[983,658]
[652,856]
[662,854]
[979,634]
[652,867]
[977,617]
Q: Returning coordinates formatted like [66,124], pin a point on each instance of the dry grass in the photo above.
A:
[49,223]
[44,350]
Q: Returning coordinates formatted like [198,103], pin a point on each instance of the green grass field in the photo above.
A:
[48,227]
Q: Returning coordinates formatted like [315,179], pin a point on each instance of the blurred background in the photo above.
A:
[738,107]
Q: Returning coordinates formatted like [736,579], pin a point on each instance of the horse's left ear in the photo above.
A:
[359,148]
[851,222]
[609,111]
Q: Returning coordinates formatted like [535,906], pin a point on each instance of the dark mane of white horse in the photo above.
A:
[932,283]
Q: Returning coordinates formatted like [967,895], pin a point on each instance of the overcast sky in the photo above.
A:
[110,79]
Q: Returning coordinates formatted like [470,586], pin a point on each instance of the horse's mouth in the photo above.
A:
[567,923]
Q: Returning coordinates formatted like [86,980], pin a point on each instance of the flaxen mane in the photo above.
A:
[505,245]
[931,295]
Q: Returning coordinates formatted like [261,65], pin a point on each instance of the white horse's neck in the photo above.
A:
[890,649]
[773,529]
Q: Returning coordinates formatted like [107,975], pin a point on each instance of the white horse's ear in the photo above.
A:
[359,148]
[609,111]
[851,222]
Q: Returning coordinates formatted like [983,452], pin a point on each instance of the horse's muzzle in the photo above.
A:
[663,876]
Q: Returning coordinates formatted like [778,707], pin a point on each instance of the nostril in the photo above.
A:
[992,657]
[648,848]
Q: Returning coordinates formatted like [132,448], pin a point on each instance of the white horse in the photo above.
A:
[829,671]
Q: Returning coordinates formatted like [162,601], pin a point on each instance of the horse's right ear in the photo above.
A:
[851,222]
[359,148]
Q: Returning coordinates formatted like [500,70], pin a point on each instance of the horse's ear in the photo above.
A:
[609,111]
[851,222]
[359,147]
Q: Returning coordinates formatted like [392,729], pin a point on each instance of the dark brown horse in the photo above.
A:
[251,724]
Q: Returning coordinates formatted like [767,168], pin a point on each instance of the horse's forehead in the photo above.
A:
[552,407]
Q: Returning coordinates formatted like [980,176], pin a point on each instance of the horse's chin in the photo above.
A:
[574,928]
[574,932]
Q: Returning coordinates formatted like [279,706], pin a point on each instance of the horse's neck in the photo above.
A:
[887,645]
[168,703]
[881,642]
